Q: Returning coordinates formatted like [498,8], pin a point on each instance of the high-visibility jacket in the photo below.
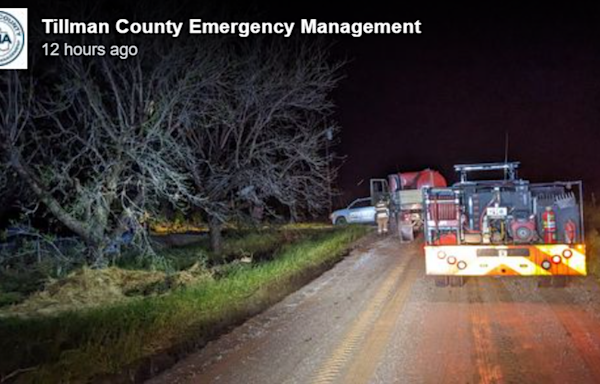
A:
[382,211]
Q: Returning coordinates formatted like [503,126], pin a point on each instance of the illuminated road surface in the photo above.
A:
[375,318]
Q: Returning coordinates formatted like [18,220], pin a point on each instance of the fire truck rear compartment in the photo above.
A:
[507,227]
[511,211]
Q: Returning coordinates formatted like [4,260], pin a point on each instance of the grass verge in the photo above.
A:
[33,289]
[592,240]
[80,345]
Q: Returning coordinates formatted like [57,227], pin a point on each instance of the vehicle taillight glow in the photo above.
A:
[452,260]
[556,259]
[546,264]
[441,255]
[461,265]
[567,253]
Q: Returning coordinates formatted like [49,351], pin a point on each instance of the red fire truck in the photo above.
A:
[506,226]
[404,193]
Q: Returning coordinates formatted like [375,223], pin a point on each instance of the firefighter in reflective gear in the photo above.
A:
[382,215]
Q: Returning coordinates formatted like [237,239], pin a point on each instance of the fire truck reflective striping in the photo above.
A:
[503,225]
[543,260]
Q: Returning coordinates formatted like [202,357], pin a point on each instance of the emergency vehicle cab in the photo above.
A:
[503,227]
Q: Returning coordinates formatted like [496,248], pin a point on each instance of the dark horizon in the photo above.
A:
[452,94]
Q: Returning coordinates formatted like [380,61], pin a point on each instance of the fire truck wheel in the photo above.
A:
[441,281]
[544,281]
[406,233]
[457,281]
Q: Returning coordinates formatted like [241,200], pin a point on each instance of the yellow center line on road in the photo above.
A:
[332,368]
[362,367]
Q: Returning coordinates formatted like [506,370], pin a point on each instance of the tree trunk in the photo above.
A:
[96,256]
[293,214]
[7,198]
[81,229]
[216,240]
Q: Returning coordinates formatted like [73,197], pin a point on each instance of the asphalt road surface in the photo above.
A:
[376,318]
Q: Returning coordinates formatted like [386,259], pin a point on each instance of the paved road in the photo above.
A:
[376,318]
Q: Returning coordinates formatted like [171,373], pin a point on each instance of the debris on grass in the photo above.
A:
[88,288]
[121,338]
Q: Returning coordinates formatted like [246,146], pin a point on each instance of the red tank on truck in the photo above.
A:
[404,191]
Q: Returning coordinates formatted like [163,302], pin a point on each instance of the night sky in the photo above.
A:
[451,94]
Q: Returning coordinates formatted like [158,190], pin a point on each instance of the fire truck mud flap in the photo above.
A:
[406,232]
[553,281]
[452,281]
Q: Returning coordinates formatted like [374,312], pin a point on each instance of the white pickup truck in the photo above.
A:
[359,211]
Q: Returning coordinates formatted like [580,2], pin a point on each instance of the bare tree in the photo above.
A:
[102,149]
[14,114]
[12,192]
[226,127]
[259,137]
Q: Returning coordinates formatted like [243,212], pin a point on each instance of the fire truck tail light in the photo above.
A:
[461,265]
[452,260]
[546,264]
[556,259]
[567,253]
[441,255]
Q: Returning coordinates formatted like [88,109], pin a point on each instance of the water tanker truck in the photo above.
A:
[404,191]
